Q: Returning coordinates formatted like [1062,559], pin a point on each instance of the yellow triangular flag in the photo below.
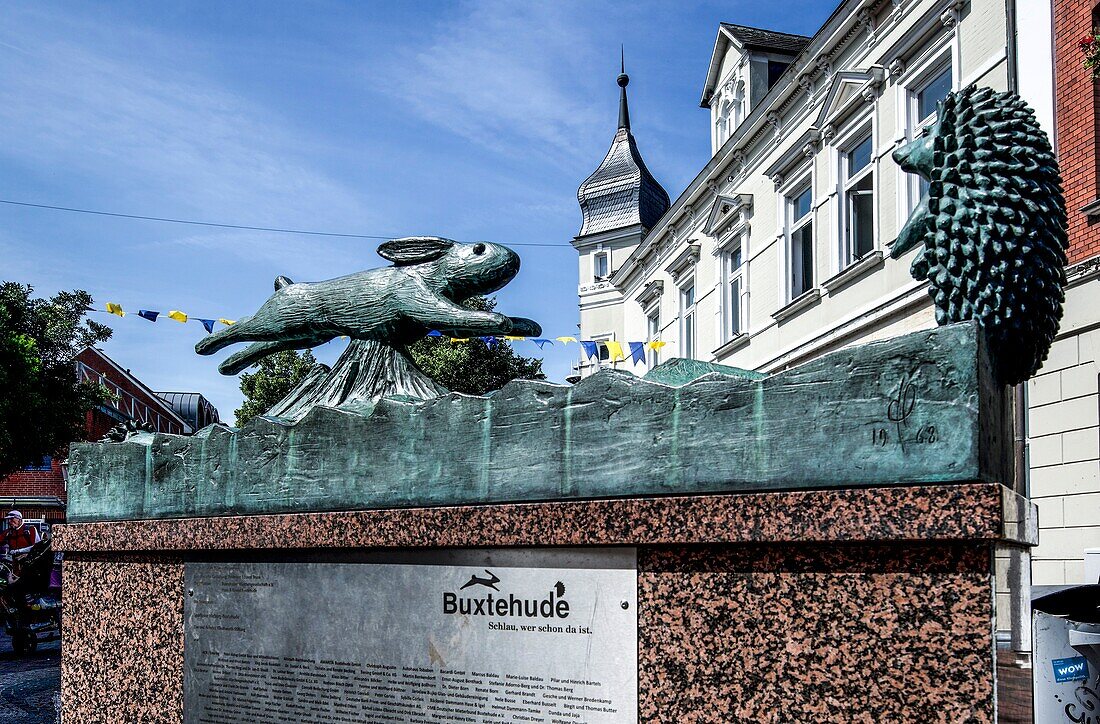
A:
[615,350]
[514,339]
[459,339]
[115,309]
[177,315]
[228,322]
[656,344]
[565,340]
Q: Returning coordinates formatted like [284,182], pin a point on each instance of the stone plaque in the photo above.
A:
[448,636]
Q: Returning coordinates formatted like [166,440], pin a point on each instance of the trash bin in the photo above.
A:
[1066,640]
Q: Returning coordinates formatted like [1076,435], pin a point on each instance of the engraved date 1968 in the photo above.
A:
[925,434]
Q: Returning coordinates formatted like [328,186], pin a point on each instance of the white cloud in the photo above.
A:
[77,105]
[507,76]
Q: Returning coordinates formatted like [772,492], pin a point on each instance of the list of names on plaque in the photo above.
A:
[335,642]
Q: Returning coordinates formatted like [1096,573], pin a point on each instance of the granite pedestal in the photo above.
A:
[847,605]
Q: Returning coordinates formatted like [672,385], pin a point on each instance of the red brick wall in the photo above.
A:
[145,399]
[1075,110]
[36,482]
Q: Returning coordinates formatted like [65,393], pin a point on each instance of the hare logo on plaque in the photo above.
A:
[552,605]
[490,582]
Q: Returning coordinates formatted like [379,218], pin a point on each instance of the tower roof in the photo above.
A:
[621,192]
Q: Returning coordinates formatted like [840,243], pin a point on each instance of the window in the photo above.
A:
[801,239]
[859,205]
[931,93]
[775,70]
[653,326]
[733,293]
[599,266]
[922,113]
[687,321]
[46,464]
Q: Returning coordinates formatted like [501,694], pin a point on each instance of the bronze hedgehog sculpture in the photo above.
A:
[993,225]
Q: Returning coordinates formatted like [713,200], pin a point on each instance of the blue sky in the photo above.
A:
[471,120]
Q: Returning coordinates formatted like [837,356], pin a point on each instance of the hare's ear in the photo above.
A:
[414,249]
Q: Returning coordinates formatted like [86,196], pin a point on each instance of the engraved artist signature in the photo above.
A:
[899,409]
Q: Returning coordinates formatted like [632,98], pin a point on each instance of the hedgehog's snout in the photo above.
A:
[916,156]
[901,156]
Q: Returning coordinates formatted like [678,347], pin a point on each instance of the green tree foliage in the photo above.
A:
[42,406]
[275,376]
[473,367]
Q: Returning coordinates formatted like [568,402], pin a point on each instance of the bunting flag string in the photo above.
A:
[152,315]
[633,352]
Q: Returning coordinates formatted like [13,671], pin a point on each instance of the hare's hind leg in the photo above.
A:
[255,352]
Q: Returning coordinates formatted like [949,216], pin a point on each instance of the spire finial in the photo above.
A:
[622,80]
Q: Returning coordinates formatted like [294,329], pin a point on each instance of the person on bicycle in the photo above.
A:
[19,538]
[16,541]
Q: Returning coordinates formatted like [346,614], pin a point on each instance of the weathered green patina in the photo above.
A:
[382,311]
[920,408]
[682,371]
[992,226]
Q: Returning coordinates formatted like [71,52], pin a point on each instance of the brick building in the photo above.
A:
[1064,419]
[39,491]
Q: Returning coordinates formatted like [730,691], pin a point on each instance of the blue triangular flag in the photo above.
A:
[146,314]
[637,351]
[208,323]
[542,342]
[435,333]
[490,342]
[590,348]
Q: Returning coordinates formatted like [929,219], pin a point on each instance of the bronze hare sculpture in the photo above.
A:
[395,305]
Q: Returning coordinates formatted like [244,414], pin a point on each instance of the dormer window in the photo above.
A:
[600,266]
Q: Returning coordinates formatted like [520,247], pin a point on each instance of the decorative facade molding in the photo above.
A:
[683,262]
[806,83]
[848,85]
[1083,271]
[651,293]
[725,209]
[776,122]
[950,17]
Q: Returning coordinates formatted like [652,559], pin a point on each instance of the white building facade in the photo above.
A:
[779,250]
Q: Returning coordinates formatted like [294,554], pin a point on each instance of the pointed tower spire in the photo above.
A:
[621,192]
[622,80]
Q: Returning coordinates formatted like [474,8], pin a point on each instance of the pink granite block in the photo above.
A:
[850,633]
[122,652]
[942,512]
